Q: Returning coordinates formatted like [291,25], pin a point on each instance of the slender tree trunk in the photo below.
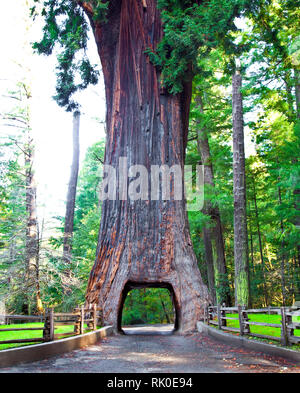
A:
[213,237]
[241,262]
[143,242]
[165,310]
[71,196]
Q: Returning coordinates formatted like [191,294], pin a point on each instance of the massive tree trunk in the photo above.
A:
[241,261]
[142,243]
[71,196]
[213,235]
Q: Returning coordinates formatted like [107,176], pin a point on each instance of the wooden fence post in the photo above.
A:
[245,319]
[82,320]
[90,322]
[94,316]
[241,322]
[77,322]
[284,335]
[207,315]
[289,327]
[219,316]
[51,324]
[48,332]
[223,314]
[210,314]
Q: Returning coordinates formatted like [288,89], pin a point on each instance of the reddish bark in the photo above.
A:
[142,243]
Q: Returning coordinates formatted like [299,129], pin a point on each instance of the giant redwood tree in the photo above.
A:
[148,51]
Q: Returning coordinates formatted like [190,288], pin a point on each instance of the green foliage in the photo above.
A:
[273,36]
[15,148]
[189,25]
[86,227]
[192,29]
[54,284]
[148,305]
[12,225]
[212,84]
[270,108]
[88,189]
[65,26]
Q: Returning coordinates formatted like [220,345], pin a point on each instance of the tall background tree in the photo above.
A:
[71,196]
[241,261]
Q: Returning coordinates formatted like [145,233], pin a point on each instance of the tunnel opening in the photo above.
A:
[148,308]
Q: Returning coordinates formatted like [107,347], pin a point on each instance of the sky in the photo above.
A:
[51,125]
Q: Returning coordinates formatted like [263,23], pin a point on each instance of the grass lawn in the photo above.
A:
[28,333]
[265,330]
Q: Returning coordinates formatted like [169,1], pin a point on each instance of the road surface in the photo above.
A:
[144,350]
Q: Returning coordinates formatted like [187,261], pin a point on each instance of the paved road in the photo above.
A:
[164,353]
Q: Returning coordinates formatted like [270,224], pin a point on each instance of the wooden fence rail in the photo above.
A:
[21,318]
[78,318]
[8,319]
[217,315]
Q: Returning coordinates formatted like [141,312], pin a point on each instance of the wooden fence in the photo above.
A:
[52,320]
[217,315]
[8,319]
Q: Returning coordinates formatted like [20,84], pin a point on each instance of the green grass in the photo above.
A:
[28,333]
[264,330]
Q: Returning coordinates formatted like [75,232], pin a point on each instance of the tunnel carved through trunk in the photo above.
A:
[142,241]
[130,285]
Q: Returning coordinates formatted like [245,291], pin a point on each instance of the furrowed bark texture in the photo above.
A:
[142,243]
[239,189]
